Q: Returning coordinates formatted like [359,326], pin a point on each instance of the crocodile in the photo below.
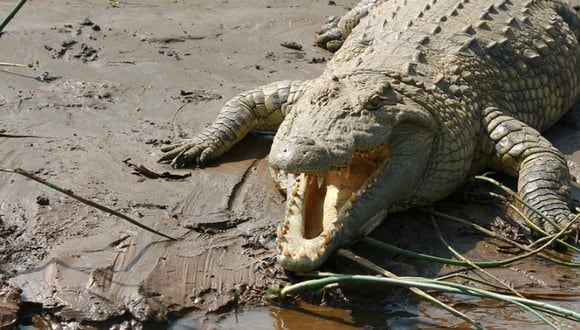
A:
[418,96]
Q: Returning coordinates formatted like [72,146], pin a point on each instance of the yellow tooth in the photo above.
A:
[321,251]
[281,231]
[320,180]
[347,169]
[354,198]
[286,251]
[295,188]
[302,253]
[327,239]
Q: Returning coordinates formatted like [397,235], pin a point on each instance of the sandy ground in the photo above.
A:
[113,85]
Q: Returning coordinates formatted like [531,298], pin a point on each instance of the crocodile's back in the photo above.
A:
[521,56]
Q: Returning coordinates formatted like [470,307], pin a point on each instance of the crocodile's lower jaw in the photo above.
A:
[318,215]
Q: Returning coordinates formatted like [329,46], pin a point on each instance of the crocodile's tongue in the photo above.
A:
[324,196]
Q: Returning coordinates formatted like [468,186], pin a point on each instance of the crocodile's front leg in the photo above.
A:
[544,178]
[332,34]
[263,108]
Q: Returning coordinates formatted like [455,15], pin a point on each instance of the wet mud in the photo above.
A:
[114,84]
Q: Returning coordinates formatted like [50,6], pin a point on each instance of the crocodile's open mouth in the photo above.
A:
[319,209]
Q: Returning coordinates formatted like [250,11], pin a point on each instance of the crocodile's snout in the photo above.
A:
[300,154]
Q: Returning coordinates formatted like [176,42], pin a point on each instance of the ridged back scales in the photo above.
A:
[521,56]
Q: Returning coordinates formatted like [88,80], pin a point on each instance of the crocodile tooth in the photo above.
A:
[293,202]
[327,239]
[294,191]
[286,251]
[321,251]
[320,180]
[281,231]
[302,252]
[354,198]
[347,170]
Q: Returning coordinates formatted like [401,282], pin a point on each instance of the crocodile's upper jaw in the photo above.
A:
[321,208]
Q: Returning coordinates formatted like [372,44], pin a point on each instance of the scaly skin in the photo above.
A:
[419,96]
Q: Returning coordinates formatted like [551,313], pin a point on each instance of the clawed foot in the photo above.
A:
[329,37]
[187,152]
[571,221]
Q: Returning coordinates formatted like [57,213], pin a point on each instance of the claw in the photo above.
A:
[180,154]
[176,162]
[168,157]
[329,36]
[168,148]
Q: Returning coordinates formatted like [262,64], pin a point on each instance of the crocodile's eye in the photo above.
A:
[374,103]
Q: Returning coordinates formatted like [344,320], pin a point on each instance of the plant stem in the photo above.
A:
[426,257]
[424,283]
[13,64]
[472,264]
[83,200]
[11,14]
[376,268]
[500,237]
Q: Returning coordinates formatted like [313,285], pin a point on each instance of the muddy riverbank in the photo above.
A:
[114,84]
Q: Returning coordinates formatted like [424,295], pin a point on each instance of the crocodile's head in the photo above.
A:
[355,147]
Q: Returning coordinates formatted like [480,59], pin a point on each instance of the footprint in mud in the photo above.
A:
[197,95]
[81,94]
[85,52]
